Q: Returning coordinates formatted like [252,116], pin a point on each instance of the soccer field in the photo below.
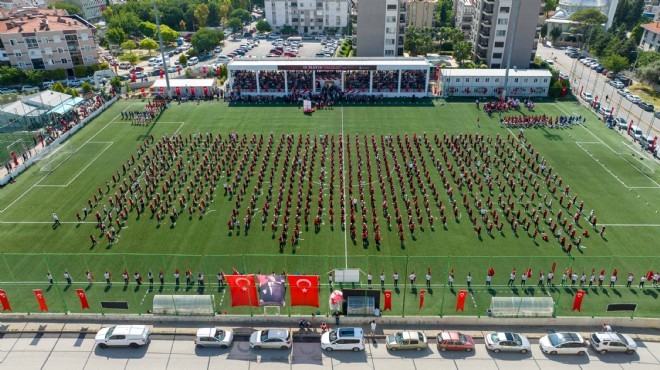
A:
[302,156]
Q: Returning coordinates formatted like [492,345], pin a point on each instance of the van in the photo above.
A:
[296,39]
[192,61]
[636,132]
[132,336]
[343,339]
[124,65]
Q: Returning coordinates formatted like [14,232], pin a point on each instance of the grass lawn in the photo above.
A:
[14,141]
[584,157]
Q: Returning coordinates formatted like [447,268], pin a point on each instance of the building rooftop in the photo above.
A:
[495,72]
[47,99]
[653,27]
[34,20]
[329,64]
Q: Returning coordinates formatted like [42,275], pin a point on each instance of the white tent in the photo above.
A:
[184,87]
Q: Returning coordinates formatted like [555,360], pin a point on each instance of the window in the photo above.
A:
[391,7]
[44,40]
[545,80]
[505,9]
[504,21]
[60,50]
[476,80]
[18,54]
[88,48]
[48,51]
[390,19]
[13,42]
[389,52]
[499,44]
[390,41]
[500,33]
[57,39]
[497,55]
[31,43]
[536,80]
[84,36]
[525,80]
[497,79]
[21,65]
[338,20]
[487,79]
[458,80]
[389,30]
[64,61]
[515,80]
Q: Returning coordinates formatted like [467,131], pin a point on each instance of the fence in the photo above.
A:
[21,273]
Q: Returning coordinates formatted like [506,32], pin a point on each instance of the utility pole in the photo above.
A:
[511,35]
[162,50]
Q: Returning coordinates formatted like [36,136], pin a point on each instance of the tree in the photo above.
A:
[35,77]
[128,21]
[115,35]
[204,40]
[182,25]
[70,8]
[202,15]
[71,91]
[544,30]
[588,19]
[649,74]
[615,63]
[288,30]
[183,59]
[555,34]
[444,15]
[130,57]
[129,45]
[214,14]
[462,51]
[58,87]
[87,87]
[419,41]
[236,25]
[647,57]
[241,14]
[148,44]
[550,5]
[168,34]
[263,26]
[635,14]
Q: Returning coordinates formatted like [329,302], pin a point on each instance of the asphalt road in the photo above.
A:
[77,351]
[597,84]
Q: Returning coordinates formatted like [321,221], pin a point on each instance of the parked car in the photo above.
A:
[616,84]
[8,91]
[510,342]
[599,69]
[621,123]
[624,92]
[172,69]
[141,75]
[406,340]
[633,98]
[625,80]
[636,132]
[646,106]
[27,89]
[609,74]
[348,339]
[454,341]
[136,69]
[587,97]
[657,114]
[564,76]
[563,343]
[132,336]
[612,342]
[272,338]
[605,111]
[213,337]
[217,49]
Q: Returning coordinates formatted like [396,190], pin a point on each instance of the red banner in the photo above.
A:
[178,70]
[388,300]
[206,91]
[460,301]
[4,301]
[554,265]
[304,290]
[133,77]
[422,293]
[83,298]
[41,300]
[243,291]
[491,271]
[160,72]
[144,94]
[649,277]
[178,91]
[577,302]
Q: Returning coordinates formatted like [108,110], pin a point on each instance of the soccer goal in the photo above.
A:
[639,159]
[54,155]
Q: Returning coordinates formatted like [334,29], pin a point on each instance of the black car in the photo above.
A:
[646,106]
[657,114]
[624,80]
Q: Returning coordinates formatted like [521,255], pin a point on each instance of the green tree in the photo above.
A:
[35,77]
[70,8]
[58,87]
[182,25]
[183,59]
[214,14]
[204,40]
[263,26]
[129,57]
[169,35]
[555,34]
[419,41]
[288,30]
[616,63]
[71,91]
[129,45]
[647,57]
[236,25]
[241,14]
[87,87]
[148,44]
[82,71]
[148,29]
[128,21]
[550,5]
[202,15]
[544,30]
[115,35]
[620,14]
[462,51]
[444,15]
[649,74]
[588,19]
[635,14]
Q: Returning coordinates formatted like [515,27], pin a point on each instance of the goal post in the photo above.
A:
[54,155]
[639,159]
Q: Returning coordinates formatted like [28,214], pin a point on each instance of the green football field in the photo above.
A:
[305,156]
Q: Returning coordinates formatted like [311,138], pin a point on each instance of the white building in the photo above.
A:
[464,12]
[309,16]
[566,8]
[12,4]
[91,8]
[651,37]
[523,83]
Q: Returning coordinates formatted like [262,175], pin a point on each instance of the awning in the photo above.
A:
[66,107]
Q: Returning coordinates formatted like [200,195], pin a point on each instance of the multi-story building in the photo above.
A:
[381,28]
[32,38]
[420,13]
[91,8]
[13,4]
[464,12]
[309,16]
[501,27]
[651,37]
[651,9]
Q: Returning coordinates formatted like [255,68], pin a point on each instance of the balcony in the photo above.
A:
[484,33]
[481,55]
[487,10]
[489,1]
[482,45]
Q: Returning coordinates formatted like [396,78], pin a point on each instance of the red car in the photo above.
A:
[455,341]
[276,51]
[289,55]
[136,70]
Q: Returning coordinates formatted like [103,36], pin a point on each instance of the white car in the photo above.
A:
[509,342]
[587,97]
[217,49]
[8,91]
[343,339]
[550,62]
[213,337]
[624,92]
[563,344]
[633,98]
[29,89]
[132,336]
[612,342]
[272,338]
[617,84]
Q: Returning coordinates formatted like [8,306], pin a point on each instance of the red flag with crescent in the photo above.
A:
[178,70]
[4,301]
[422,294]
[83,298]
[304,290]
[234,271]
[243,290]
[388,300]
[41,300]
[577,302]
[460,301]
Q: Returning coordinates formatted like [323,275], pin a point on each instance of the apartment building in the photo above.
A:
[464,12]
[651,37]
[14,4]
[309,16]
[381,28]
[421,13]
[503,26]
[32,38]
[91,8]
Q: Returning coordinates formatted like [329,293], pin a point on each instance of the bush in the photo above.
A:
[87,87]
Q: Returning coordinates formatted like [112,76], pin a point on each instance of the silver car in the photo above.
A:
[612,342]
[272,338]
[563,344]
[510,342]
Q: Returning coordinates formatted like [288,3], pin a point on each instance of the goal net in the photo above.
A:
[641,160]
[54,155]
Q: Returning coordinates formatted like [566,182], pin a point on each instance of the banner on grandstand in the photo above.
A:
[304,290]
[388,300]
[271,290]
[312,67]
[242,289]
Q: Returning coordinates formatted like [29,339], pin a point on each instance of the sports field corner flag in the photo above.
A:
[577,302]
[41,300]
[243,291]
[388,300]
[4,301]
[422,293]
[83,298]
[460,301]
[304,290]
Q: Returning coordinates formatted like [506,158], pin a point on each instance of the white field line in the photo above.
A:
[615,176]
[344,190]
[89,164]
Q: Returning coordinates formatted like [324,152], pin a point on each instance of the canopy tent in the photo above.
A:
[521,307]
[182,304]
[66,106]
[184,87]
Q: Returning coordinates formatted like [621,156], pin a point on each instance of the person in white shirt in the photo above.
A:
[468,279]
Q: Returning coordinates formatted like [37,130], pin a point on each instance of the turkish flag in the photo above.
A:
[529,272]
[144,94]
[491,271]
[388,300]
[615,272]
[460,302]
[422,293]
[83,298]
[5,301]
[206,91]
[41,300]
[160,72]
[554,265]
[133,77]
[243,291]
[577,302]
[192,91]
[178,91]
[162,89]
[234,271]
[204,69]
[178,70]
[304,290]
[649,277]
